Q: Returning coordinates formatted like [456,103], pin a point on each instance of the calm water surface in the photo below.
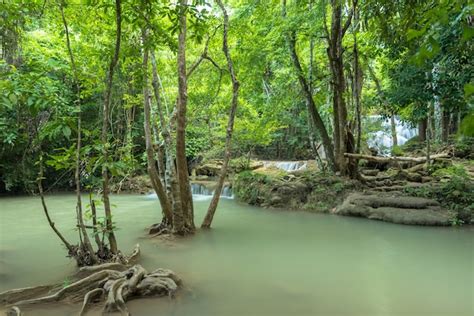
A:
[259,262]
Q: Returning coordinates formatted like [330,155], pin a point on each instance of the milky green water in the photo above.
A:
[259,262]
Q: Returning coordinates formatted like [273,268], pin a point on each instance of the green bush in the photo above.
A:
[456,194]
[249,186]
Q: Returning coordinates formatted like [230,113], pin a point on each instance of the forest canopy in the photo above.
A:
[309,72]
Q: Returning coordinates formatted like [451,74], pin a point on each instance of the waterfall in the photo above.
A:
[286,165]
[201,192]
[382,139]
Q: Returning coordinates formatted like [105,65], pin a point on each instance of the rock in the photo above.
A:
[414,177]
[370,172]
[395,209]
[426,179]
[275,200]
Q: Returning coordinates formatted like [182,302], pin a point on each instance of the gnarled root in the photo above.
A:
[109,281]
[91,295]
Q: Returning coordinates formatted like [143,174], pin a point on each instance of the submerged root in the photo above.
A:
[115,281]
[117,287]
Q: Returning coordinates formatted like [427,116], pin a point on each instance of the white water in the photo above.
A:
[286,165]
[382,140]
[202,193]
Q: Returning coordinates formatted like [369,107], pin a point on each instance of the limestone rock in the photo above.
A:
[396,209]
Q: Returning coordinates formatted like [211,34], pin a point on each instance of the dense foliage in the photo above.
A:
[414,60]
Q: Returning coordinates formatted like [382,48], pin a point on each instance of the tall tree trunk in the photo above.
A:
[230,125]
[335,55]
[393,130]
[172,186]
[358,79]
[422,127]
[311,106]
[151,162]
[105,128]
[181,161]
[77,174]
[445,119]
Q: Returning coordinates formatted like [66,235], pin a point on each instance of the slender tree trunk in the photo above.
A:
[445,119]
[71,249]
[77,174]
[230,125]
[152,169]
[429,135]
[358,80]
[181,161]
[105,128]
[311,106]
[99,243]
[393,129]
[422,127]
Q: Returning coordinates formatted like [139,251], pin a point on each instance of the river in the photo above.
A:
[259,262]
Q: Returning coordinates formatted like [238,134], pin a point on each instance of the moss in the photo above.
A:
[306,190]
[456,194]
[250,187]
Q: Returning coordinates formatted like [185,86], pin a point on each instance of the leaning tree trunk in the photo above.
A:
[72,250]
[152,169]
[181,161]
[105,127]
[77,175]
[312,110]
[230,125]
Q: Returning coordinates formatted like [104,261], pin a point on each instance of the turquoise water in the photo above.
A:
[259,262]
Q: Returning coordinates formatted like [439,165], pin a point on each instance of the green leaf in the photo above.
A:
[411,33]
[468,90]
[67,131]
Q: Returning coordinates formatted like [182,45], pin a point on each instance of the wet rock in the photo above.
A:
[395,209]
[370,172]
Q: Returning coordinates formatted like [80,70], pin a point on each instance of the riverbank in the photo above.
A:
[439,195]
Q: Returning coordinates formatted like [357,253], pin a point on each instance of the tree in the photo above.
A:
[230,125]
[105,127]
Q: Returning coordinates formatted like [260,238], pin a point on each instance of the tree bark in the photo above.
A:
[170,173]
[393,129]
[77,175]
[358,79]
[445,119]
[181,161]
[151,162]
[105,127]
[311,106]
[230,125]
[422,127]
[335,55]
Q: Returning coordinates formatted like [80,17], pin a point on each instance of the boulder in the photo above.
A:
[395,209]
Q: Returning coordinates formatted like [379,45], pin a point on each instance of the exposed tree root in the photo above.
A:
[117,284]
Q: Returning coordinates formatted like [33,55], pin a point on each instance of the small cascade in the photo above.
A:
[200,189]
[202,192]
[288,166]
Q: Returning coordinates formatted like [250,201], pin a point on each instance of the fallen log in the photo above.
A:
[395,159]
